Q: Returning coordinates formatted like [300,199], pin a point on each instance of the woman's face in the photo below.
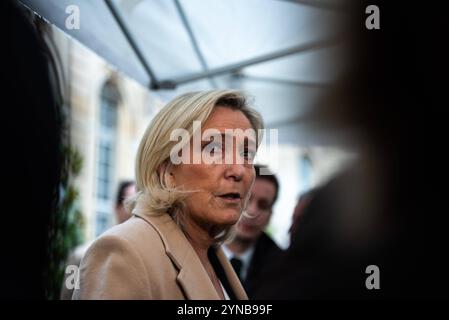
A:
[222,188]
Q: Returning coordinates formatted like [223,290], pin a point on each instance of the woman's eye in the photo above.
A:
[250,155]
[214,148]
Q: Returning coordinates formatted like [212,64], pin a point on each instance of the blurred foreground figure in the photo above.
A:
[31,153]
[300,208]
[379,230]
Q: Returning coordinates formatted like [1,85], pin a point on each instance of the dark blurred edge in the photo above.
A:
[31,129]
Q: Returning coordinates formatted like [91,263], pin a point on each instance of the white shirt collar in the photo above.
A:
[245,257]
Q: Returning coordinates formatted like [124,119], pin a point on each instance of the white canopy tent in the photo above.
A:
[283,53]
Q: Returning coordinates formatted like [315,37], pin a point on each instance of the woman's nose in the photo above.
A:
[235,171]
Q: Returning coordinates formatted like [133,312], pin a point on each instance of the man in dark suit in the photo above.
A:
[252,250]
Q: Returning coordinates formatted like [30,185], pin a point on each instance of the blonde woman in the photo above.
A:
[183,210]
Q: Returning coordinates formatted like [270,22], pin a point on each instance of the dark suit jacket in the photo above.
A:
[265,253]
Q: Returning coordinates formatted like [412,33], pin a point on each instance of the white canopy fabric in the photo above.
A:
[283,53]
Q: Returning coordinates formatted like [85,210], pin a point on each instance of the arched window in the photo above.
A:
[106,155]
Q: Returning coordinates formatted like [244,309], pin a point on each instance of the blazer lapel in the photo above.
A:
[234,281]
[192,277]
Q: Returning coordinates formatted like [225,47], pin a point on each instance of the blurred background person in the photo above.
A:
[126,189]
[252,249]
[170,248]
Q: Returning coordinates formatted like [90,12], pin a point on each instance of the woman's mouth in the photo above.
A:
[231,197]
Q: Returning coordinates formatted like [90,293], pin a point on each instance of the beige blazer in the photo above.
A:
[148,258]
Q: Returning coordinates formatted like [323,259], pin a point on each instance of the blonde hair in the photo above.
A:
[154,196]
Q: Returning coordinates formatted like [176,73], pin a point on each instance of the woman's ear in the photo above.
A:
[166,175]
